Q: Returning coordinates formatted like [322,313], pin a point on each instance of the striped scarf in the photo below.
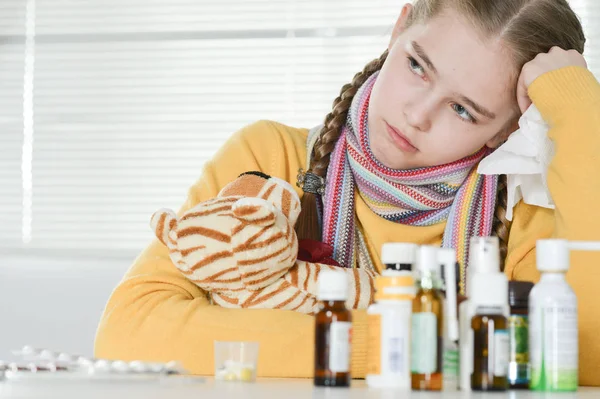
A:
[454,192]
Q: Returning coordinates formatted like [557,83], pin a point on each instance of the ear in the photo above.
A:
[247,184]
[400,25]
[163,222]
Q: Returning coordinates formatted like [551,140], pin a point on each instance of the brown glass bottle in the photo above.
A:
[333,325]
[490,350]
[427,324]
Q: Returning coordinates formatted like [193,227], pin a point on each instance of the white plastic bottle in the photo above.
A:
[389,320]
[450,363]
[484,257]
[553,329]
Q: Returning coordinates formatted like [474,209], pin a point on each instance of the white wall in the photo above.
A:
[54,303]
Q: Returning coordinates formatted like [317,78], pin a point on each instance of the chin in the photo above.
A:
[393,161]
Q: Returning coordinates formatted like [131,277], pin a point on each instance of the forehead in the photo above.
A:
[467,63]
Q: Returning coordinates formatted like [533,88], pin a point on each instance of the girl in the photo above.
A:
[399,154]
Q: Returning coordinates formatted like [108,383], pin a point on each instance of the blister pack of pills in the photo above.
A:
[39,364]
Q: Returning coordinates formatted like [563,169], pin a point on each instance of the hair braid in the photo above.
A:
[308,224]
[501,225]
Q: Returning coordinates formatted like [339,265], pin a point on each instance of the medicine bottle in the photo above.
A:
[389,320]
[427,323]
[333,325]
[490,333]
[518,332]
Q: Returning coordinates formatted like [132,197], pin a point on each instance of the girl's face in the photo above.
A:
[442,94]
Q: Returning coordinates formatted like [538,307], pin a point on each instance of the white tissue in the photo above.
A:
[524,159]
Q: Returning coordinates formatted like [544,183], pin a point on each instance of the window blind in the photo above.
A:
[109,108]
[12,66]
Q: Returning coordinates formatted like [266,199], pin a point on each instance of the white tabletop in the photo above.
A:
[262,389]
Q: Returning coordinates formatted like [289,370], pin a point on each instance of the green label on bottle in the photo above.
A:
[450,361]
[519,349]
[554,348]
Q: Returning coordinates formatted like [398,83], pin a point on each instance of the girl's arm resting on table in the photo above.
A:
[155,313]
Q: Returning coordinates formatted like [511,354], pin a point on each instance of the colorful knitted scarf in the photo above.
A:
[454,192]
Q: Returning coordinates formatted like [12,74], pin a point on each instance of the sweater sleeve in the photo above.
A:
[569,100]
[156,314]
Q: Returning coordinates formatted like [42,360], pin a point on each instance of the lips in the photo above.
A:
[400,140]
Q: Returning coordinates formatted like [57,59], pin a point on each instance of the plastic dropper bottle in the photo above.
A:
[553,329]
[333,331]
[389,319]
[490,333]
[450,364]
[484,258]
[427,323]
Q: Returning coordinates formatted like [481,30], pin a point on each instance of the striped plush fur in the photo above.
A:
[241,248]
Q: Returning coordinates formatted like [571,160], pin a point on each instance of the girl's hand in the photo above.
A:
[556,58]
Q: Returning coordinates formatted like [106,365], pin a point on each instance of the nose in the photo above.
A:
[418,114]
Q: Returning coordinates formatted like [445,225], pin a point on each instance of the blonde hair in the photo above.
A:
[525,27]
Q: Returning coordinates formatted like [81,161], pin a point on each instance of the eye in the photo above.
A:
[463,113]
[415,67]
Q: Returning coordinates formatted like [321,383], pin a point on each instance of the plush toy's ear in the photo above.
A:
[163,222]
[281,194]
[272,189]
[248,184]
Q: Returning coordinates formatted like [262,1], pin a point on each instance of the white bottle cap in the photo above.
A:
[552,255]
[489,290]
[484,255]
[398,252]
[447,256]
[333,286]
[427,260]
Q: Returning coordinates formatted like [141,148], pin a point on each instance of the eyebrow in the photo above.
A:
[478,108]
[421,53]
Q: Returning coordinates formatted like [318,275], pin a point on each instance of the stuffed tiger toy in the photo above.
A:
[241,248]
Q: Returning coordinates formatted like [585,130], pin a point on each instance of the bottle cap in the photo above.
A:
[518,293]
[395,288]
[398,253]
[333,286]
[427,260]
[553,254]
[484,255]
[489,290]
[447,257]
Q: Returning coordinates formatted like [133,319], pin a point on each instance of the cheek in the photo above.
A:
[452,139]
[395,83]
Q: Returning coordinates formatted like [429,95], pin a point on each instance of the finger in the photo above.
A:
[522,95]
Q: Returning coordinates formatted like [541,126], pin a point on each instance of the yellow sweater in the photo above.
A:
[155,313]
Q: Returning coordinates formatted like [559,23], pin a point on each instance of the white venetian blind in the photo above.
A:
[12,68]
[130,97]
[109,108]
